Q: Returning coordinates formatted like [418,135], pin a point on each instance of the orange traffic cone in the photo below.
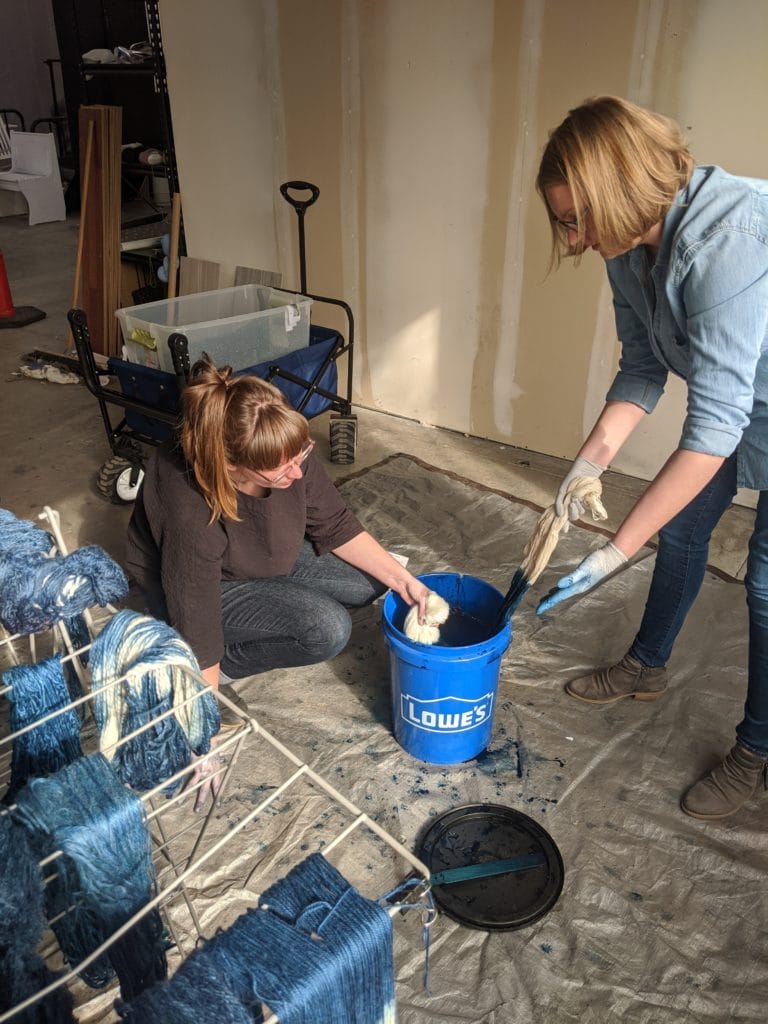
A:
[10,315]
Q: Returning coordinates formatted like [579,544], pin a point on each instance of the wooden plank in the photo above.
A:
[100,285]
[198,275]
[173,248]
[250,275]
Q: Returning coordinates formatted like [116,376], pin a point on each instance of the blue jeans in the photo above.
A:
[298,619]
[680,565]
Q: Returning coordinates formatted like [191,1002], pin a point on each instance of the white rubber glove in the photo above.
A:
[595,567]
[580,467]
[437,611]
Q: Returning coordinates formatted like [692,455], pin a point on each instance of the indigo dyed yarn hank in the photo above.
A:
[36,591]
[105,872]
[314,950]
[20,535]
[35,692]
[157,664]
[22,972]
[196,994]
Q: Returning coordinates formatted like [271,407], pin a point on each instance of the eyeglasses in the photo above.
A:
[295,463]
[570,225]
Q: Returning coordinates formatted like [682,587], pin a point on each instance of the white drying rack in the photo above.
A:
[186,848]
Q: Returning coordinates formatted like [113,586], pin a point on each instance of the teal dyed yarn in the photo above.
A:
[105,874]
[35,692]
[314,950]
[36,592]
[22,972]
[157,663]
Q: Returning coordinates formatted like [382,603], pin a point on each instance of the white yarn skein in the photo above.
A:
[436,612]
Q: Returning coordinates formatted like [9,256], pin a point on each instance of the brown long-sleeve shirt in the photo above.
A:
[170,543]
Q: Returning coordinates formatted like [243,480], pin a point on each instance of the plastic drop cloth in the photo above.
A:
[662,919]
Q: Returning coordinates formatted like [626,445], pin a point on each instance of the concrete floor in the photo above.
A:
[55,441]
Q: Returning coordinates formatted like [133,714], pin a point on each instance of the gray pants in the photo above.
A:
[299,619]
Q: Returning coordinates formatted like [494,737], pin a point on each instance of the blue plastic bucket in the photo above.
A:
[443,697]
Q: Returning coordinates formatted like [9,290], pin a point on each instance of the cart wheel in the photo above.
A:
[114,481]
[343,436]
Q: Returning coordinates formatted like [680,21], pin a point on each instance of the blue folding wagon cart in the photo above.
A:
[256,329]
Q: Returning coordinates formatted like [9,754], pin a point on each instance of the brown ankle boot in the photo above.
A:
[628,678]
[727,787]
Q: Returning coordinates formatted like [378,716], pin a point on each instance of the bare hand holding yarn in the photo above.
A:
[437,611]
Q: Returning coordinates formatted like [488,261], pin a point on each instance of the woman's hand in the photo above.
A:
[595,567]
[367,554]
[204,781]
[412,592]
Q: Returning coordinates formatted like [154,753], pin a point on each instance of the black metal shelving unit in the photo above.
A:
[140,89]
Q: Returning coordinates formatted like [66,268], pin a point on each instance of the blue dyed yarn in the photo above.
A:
[157,663]
[20,535]
[22,972]
[196,994]
[36,691]
[106,870]
[36,592]
[314,950]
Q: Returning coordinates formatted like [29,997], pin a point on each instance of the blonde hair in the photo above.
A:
[235,420]
[622,163]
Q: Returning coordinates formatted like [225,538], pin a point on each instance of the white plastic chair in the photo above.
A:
[35,173]
[5,146]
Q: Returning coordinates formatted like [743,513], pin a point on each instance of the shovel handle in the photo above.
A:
[300,205]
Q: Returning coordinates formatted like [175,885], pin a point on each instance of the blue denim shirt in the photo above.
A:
[701,311]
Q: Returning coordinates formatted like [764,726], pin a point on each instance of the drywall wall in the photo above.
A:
[422,122]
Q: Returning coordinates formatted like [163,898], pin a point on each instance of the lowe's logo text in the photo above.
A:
[446,714]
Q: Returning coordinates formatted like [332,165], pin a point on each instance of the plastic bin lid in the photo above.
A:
[497,838]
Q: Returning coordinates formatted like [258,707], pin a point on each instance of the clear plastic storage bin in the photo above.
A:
[238,326]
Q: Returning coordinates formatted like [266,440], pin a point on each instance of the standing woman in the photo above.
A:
[686,251]
[240,540]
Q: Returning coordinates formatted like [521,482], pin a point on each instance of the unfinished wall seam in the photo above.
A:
[287,255]
[529,55]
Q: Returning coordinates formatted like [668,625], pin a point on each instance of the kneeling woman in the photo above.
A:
[240,540]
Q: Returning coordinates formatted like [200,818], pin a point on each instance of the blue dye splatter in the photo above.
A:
[545,947]
[510,757]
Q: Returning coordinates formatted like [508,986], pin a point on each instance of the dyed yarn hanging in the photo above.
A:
[105,874]
[80,637]
[37,691]
[36,591]
[22,972]
[314,950]
[156,663]
[21,536]
[196,994]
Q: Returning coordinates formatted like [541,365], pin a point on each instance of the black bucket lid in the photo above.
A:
[478,834]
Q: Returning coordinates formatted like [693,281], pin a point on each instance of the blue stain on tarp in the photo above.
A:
[511,757]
